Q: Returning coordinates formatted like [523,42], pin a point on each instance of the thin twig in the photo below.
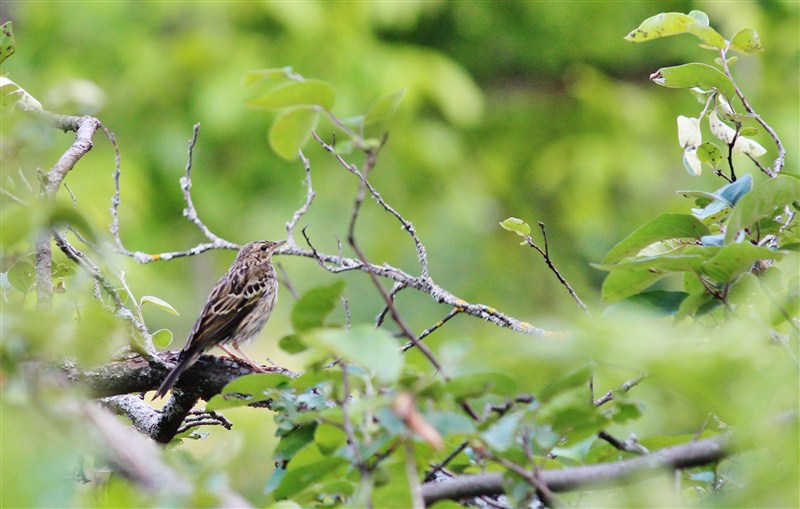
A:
[396,288]
[422,255]
[190,212]
[546,255]
[351,239]
[781,158]
[310,194]
[630,384]
[453,312]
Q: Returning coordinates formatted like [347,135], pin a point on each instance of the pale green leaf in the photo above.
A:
[314,305]
[383,107]
[375,350]
[159,303]
[162,338]
[295,93]
[746,41]
[291,130]
[517,226]
[693,75]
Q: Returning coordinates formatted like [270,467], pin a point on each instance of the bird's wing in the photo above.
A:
[231,300]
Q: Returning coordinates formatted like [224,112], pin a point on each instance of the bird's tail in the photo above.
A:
[186,359]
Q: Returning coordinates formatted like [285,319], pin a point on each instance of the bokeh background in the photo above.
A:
[538,110]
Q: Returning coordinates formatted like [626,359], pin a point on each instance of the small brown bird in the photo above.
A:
[236,311]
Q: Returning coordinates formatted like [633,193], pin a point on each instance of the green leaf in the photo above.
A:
[694,75]
[665,226]
[315,305]
[450,423]
[710,154]
[291,130]
[7,44]
[292,344]
[22,275]
[570,381]
[373,349]
[501,435]
[517,226]
[295,93]
[277,73]
[256,387]
[298,479]
[162,338]
[624,283]
[664,24]
[329,438]
[746,41]
[748,131]
[291,443]
[159,303]
[658,302]
[655,264]
[709,38]
[762,202]
[473,385]
[735,259]
[383,107]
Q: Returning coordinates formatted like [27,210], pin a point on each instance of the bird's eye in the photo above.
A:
[263,248]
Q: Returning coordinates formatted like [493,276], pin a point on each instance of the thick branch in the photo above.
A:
[84,127]
[682,456]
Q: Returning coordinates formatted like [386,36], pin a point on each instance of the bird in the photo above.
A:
[236,310]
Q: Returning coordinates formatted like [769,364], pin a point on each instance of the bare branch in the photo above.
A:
[693,454]
[189,212]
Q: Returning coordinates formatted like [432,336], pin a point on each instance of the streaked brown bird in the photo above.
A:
[236,311]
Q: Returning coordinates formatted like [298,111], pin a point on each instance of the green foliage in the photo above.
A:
[715,336]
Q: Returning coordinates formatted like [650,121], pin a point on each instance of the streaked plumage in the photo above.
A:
[236,310]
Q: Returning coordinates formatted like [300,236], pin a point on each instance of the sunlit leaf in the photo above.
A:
[517,226]
[291,130]
[710,154]
[746,41]
[295,93]
[277,73]
[694,75]
[159,303]
[665,226]
[162,338]
[664,24]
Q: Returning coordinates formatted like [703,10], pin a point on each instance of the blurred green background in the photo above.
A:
[538,110]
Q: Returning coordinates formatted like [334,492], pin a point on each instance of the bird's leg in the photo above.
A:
[244,357]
